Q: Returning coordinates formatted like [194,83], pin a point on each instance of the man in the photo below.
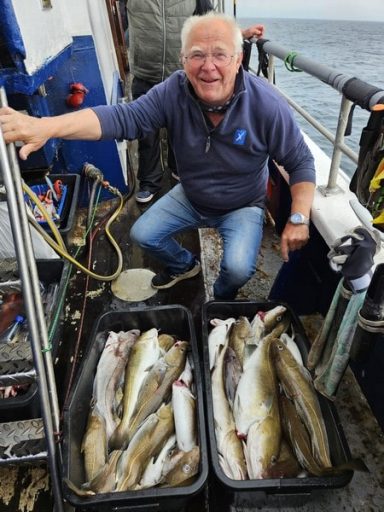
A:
[154,51]
[224,125]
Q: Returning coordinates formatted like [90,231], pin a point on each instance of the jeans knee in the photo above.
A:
[240,272]
[137,234]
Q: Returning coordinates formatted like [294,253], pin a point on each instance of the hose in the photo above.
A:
[59,246]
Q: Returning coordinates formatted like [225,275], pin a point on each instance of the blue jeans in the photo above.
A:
[241,231]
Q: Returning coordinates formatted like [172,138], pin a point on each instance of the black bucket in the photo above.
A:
[175,320]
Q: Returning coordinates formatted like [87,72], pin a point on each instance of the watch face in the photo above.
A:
[297,218]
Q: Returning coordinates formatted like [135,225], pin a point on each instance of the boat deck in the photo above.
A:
[26,490]
[364,436]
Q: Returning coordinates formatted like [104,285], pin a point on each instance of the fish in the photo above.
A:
[280,327]
[286,465]
[229,446]
[217,337]
[94,446]
[187,374]
[104,481]
[292,345]
[153,472]
[145,444]
[166,341]
[239,334]
[180,468]
[298,386]
[272,317]
[136,456]
[110,374]
[184,410]
[232,374]
[157,385]
[298,437]
[143,355]
[259,376]
[263,444]
[257,328]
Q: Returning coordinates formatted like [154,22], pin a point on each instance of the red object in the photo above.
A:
[11,307]
[78,87]
[57,188]
[76,97]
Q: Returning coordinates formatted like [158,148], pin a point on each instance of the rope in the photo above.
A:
[289,62]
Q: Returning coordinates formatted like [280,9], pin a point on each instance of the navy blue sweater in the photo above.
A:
[221,168]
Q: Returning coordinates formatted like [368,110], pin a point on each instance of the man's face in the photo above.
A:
[210,62]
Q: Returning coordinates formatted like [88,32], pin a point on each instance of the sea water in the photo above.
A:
[353,48]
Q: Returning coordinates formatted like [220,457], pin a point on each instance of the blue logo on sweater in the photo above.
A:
[239,137]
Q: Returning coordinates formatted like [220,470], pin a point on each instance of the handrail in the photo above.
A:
[42,357]
[337,142]
[353,90]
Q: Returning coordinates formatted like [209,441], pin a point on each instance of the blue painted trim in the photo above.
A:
[11,31]
[16,82]
[117,88]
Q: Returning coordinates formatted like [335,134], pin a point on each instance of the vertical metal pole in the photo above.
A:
[271,68]
[345,109]
[34,309]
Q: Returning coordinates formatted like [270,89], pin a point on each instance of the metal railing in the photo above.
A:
[352,91]
[42,358]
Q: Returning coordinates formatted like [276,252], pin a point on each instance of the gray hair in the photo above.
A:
[191,22]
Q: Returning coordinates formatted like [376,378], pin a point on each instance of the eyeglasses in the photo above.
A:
[219,59]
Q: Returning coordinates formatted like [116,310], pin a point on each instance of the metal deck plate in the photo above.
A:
[22,441]
[15,352]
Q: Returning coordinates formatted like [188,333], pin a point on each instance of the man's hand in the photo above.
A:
[294,237]
[253,31]
[35,131]
[23,128]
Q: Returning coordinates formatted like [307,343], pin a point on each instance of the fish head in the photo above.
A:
[282,354]
[272,317]
[166,341]
[177,354]
[186,465]
[242,326]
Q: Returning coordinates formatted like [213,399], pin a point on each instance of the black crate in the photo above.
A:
[67,217]
[293,492]
[27,405]
[175,320]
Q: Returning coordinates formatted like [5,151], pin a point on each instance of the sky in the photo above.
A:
[367,10]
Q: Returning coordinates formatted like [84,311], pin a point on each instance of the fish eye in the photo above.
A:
[186,468]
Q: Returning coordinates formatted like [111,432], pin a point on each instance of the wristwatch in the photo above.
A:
[298,218]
